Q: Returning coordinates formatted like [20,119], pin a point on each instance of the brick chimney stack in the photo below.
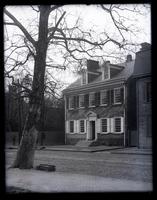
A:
[129,58]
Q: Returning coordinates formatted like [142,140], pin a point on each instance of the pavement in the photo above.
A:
[112,149]
[40,181]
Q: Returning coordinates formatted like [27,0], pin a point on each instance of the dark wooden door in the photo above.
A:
[93,129]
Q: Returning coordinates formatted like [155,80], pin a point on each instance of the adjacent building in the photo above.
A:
[99,105]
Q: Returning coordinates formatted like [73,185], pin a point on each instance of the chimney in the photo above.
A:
[145,46]
[129,58]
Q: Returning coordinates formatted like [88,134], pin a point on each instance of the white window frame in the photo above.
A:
[70,99]
[122,125]
[108,125]
[86,78]
[73,126]
[101,97]
[103,73]
[80,101]
[91,93]
[114,96]
[80,126]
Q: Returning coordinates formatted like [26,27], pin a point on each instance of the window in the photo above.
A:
[106,73]
[117,95]
[104,125]
[147,92]
[84,77]
[118,124]
[92,99]
[71,102]
[82,126]
[71,126]
[104,97]
[81,101]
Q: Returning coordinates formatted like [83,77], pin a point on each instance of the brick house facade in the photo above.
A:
[98,105]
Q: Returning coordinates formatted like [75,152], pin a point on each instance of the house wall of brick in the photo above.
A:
[144,113]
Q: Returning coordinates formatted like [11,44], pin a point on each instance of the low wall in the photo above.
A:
[74,138]
[50,138]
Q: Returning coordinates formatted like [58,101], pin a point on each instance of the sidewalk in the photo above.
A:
[111,149]
[41,181]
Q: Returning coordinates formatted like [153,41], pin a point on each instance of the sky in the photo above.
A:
[93,18]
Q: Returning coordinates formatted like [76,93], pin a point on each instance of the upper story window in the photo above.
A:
[104,97]
[71,102]
[92,99]
[81,101]
[117,95]
[147,92]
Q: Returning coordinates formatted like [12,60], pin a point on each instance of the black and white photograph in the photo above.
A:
[78,99]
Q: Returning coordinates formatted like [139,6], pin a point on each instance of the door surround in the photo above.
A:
[91,116]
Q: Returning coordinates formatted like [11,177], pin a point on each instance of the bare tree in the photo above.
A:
[73,42]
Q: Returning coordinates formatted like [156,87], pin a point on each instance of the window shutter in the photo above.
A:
[67,103]
[86,100]
[111,125]
[108,125]
[111,97]
[75,101]
[97,98]
[122,124]
[67,126]
[122,94]
[85,127]
[77,104]
[108,97]
[75,126]
[144,92]
[98,125]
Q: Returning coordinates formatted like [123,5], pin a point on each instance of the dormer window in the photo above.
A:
[84,77]
[71,102]
[106,71]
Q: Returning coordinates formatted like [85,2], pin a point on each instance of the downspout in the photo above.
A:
[65,118]
[125,106]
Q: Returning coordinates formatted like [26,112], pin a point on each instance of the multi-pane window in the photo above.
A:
[147,92]
[84,78]
[104,97]
[106,74]
[117,124]
[71,102]
[92,99]
[71,125]
[82,126]
[81,101]
[117,95]
[104,125]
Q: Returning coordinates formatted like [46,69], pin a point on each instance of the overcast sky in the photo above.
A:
[93,18]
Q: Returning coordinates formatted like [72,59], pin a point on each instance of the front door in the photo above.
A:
[92,130]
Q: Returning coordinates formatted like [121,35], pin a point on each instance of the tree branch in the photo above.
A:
[21,27]
[55,28]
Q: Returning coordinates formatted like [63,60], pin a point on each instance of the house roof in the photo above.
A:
[109,111]
[142,63]
[125,73]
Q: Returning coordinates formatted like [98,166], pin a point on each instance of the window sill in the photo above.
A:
[91,106]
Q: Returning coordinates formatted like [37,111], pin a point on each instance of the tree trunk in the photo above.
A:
[26,151]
